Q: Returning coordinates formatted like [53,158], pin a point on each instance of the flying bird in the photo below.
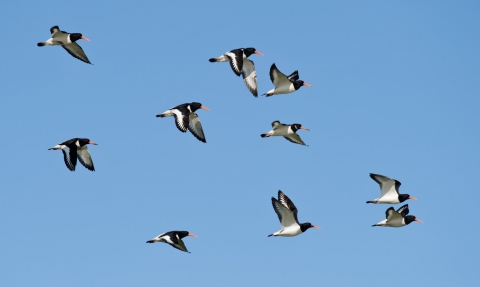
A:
[242,66]
[389,190]
[73,149]
[68,42]
[174,238]
[397,218]
[287,214]
[186,118]
[284,84]
[287,131]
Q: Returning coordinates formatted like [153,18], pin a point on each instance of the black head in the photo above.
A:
[296,127]
[75,36]
[403,197]
[249,51]
[307,225]
[410,218]
[298,84]
[183,234]
[84,142]
[195,106]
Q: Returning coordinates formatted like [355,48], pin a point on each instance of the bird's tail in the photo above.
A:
[55,147]
[41,44]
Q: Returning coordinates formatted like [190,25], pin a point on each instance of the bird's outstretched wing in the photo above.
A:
[288,203]
[76,51]
[294,76]
[387,185]
[235,58]
[250,76]
[294,138]
[70,157]
[195,127]
[277,77]
[84,156]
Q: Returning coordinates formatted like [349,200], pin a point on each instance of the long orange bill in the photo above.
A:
[85,38]
[258,53]
[412,198]
[307,85]
[92,143]
[205,108]
[316,226]
[304,128]
[192,235]
[416,219]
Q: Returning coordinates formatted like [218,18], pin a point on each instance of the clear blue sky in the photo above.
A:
[395,92]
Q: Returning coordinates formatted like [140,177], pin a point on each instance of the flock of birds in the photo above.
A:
[187,119]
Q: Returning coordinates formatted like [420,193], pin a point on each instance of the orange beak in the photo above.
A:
[416,219]
[192,235]
[92,143]
[85,38]
[307,85]
[258,53]
[316,226]
[412,198]
[205,108]
[304,128]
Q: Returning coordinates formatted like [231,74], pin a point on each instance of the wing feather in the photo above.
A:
[283,198]
[195,127]
[277,77]
[70,157]
[235,58]
[284,214]
[84,156]
[294,138]
[387,185]
[250,76]
[76,51]
[181,120]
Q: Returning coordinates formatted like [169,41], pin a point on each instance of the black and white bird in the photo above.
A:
[287,214]
[397,218]
[73,149]
[389,190]
[174,238]
[284,84]
[242,66]
[287,131]
[186,118]
[68,42]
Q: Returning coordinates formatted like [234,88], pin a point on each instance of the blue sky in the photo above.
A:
[395,92]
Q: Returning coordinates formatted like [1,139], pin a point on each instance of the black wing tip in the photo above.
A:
[150,241]
[263,135]
[374,225]
[270,235]
[370,201]
[160,116]
[212,60]
[41,44]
